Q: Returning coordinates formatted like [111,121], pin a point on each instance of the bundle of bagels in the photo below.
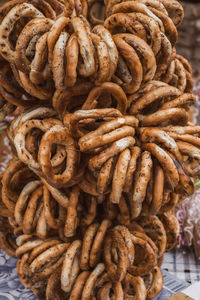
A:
[103,149]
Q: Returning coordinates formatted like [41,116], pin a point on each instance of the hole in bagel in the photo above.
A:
[97,12]
[140,255]
[18,27]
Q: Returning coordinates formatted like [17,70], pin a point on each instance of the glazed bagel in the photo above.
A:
[92,244]
[178,75]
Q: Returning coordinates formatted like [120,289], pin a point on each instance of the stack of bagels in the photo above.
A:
[103,149]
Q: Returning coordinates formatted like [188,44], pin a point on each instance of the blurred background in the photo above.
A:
[189,34]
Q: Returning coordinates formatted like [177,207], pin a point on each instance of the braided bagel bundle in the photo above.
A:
[103,149]
[58,247]
[52,46]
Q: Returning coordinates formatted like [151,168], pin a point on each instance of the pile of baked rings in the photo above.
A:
[103,144]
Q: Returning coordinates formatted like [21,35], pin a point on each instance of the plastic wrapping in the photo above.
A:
[188,214]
